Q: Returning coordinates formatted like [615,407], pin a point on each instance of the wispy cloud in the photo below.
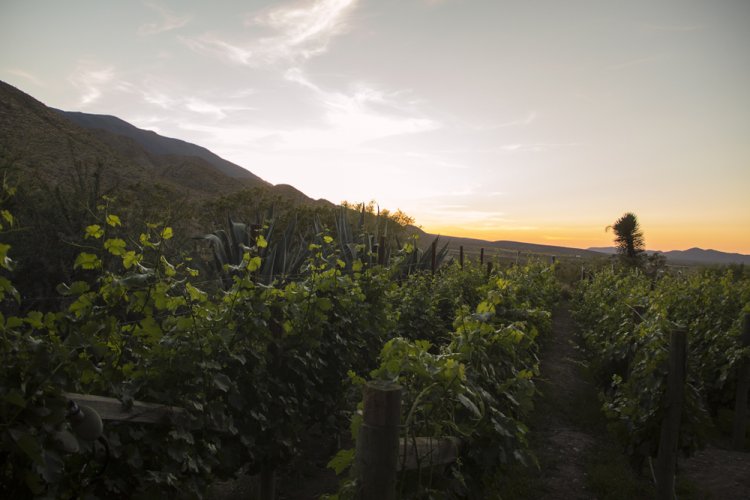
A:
[26,76]
[213,45]
[527,120]
[91,81]
[300,31]
[169,20]
[217,110]
[363,115]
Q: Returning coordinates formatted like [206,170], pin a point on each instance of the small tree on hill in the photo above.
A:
[628,238]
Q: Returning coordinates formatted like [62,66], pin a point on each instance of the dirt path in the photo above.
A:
[578,457]
[563,440]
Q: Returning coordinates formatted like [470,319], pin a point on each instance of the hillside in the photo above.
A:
[54,147]
[156,144]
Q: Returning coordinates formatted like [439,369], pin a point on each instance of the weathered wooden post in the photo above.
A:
[381,251]
[666,461]
[378,442]
[267,483]
[481,256]
[461,255]
[743,386]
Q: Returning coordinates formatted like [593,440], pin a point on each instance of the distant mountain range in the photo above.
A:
[690,256]
[52,145]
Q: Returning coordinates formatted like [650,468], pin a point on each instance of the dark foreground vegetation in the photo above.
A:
[263,333]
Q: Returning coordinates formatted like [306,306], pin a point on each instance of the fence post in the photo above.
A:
[461,256]
[666,461]
[481,256]
[743,386]
[434,256]
[267,483]
[377,445]
[381,251]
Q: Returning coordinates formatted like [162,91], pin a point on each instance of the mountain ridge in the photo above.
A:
[694,255]
[156,143]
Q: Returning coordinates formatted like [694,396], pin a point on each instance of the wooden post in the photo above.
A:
[461,255]
[666,462]
[434,256]
[377,445]
[743,386]
[267,483]
[381,251]
[481,256]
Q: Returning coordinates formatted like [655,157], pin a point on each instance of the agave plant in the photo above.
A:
[229,248]
[283,250]
[413,258]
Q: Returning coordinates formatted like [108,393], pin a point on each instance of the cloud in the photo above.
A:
[169,21]
[212,45]
[91,81]
[365,114]
[26,76]
[300,31]
[218,111]
[528,120]
[159,99]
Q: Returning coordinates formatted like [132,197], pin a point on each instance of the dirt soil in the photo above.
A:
[568,434]
[718,474]
[563,441]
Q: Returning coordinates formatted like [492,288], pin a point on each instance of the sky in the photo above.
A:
[536,121]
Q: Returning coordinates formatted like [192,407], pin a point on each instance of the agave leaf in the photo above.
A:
[238,236]
[361,224]
[217,245]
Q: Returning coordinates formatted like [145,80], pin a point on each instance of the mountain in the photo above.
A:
[607,250]
[53,147]
[157,144]
[691,256]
